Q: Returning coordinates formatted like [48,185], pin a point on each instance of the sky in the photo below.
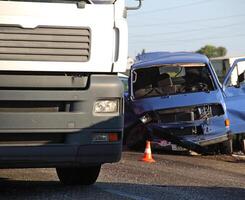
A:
[187,25]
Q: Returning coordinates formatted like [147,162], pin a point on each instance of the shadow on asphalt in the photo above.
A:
[14,189]
[219,157]
[141,191]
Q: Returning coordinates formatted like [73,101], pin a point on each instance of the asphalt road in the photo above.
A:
[171,177]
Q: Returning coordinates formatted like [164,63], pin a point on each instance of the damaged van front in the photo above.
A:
[175,97]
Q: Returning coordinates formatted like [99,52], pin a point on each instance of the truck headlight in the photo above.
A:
[106,106]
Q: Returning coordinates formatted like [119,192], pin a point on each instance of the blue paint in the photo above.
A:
[160,58]
[232,99]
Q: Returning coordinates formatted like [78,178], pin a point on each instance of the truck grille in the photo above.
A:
[64,44]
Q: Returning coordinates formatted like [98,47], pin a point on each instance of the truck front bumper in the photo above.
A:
[54,124]
[59,155]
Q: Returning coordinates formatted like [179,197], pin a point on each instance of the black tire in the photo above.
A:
[227,147]
[78,175]
[135,139]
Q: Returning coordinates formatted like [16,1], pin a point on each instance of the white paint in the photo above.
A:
[100,18]
[218,65]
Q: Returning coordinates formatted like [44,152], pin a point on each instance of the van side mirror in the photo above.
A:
[241,77]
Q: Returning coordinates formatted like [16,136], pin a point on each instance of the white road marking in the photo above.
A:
[123,194]
[242,157]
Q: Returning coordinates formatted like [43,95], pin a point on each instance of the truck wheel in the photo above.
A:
[78,175]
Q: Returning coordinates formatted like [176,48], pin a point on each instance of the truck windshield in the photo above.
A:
[171,79]
[65,1]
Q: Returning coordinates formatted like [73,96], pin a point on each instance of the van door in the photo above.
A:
[234,95]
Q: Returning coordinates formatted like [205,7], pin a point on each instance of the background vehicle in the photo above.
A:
[222,65]
[177,97]
[60,97]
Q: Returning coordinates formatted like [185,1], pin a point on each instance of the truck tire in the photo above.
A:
[78,175]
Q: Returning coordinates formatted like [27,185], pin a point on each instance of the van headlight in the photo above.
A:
[106,106]
[145,119]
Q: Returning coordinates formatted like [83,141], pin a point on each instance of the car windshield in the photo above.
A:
[167,80]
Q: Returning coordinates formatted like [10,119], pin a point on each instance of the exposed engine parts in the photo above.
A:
[202,112]
[185,115]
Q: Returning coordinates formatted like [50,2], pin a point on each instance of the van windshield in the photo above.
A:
[171,79]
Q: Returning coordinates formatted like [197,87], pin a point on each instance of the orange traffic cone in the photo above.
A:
[147,155]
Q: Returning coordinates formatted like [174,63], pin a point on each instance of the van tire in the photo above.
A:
[135,138]
[227,147]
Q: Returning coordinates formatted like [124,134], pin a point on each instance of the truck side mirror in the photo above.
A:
[135,7]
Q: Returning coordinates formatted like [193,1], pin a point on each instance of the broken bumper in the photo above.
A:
[182,133]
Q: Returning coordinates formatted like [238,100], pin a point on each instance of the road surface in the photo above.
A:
[171,177]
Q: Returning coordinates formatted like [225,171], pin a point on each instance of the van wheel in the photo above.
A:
[78,175]
[227,147]
[135,139]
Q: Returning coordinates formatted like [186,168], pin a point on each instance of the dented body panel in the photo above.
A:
[182,113]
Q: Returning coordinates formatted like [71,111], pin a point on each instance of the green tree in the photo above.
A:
[221,51]
[212,51]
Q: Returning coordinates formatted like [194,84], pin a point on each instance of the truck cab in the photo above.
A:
[61,102]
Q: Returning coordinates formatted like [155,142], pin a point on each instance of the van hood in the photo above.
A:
[141,106]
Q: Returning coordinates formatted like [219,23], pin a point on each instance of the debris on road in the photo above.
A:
[148,155]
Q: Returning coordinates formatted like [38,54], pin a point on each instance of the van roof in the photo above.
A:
[163,58]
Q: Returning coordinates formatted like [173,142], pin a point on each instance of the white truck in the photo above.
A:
[61,102]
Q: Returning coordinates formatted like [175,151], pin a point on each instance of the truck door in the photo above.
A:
[234,95]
